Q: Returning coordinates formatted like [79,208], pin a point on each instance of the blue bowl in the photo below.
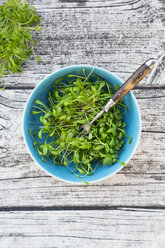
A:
[132,119]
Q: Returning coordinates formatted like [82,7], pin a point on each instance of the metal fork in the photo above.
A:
[130,83]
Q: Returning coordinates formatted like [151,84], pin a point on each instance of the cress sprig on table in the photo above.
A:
[74,101]
[17,19]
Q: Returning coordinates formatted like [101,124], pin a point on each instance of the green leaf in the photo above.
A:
[48,114]
[123,163]
[102,84]
[58,110]
[99,147]
[69,136]
[40,153]
[65,162]
[103,135]
[42,158]
[76,158]
[111,150]
[38,57]
[84,181]
[45,150]
[40,133]
[90,136]
[107,147]
[112,143]
[81,171]
[130,139]
[120,135]
[62,145]
[101,130]
[117,86]
[107,160]
[112,130]
[67,102]
[75,143]
[53,150]
[35,112]
[39,102]
[52,133]
[85,146]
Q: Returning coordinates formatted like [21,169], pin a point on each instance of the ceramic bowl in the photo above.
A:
[132,119]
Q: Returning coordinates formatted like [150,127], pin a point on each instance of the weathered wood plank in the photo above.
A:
[131,228]
[124,4]
[121,190]
[116,35]
[22,183]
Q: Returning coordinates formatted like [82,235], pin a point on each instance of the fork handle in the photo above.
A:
[131,82]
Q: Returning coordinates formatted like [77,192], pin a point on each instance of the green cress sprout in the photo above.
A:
[17,19]
[75,100]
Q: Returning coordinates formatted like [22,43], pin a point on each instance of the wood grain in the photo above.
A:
[116,35]
[124,228]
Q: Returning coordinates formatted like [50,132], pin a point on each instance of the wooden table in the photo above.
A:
[126,210]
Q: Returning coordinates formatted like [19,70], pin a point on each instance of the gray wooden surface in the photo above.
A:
[126,210]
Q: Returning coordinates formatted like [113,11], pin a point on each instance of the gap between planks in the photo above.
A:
[82,208]
[30,87]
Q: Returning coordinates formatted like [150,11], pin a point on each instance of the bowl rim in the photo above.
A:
[57,177]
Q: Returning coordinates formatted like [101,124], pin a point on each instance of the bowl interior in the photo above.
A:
[132,119]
